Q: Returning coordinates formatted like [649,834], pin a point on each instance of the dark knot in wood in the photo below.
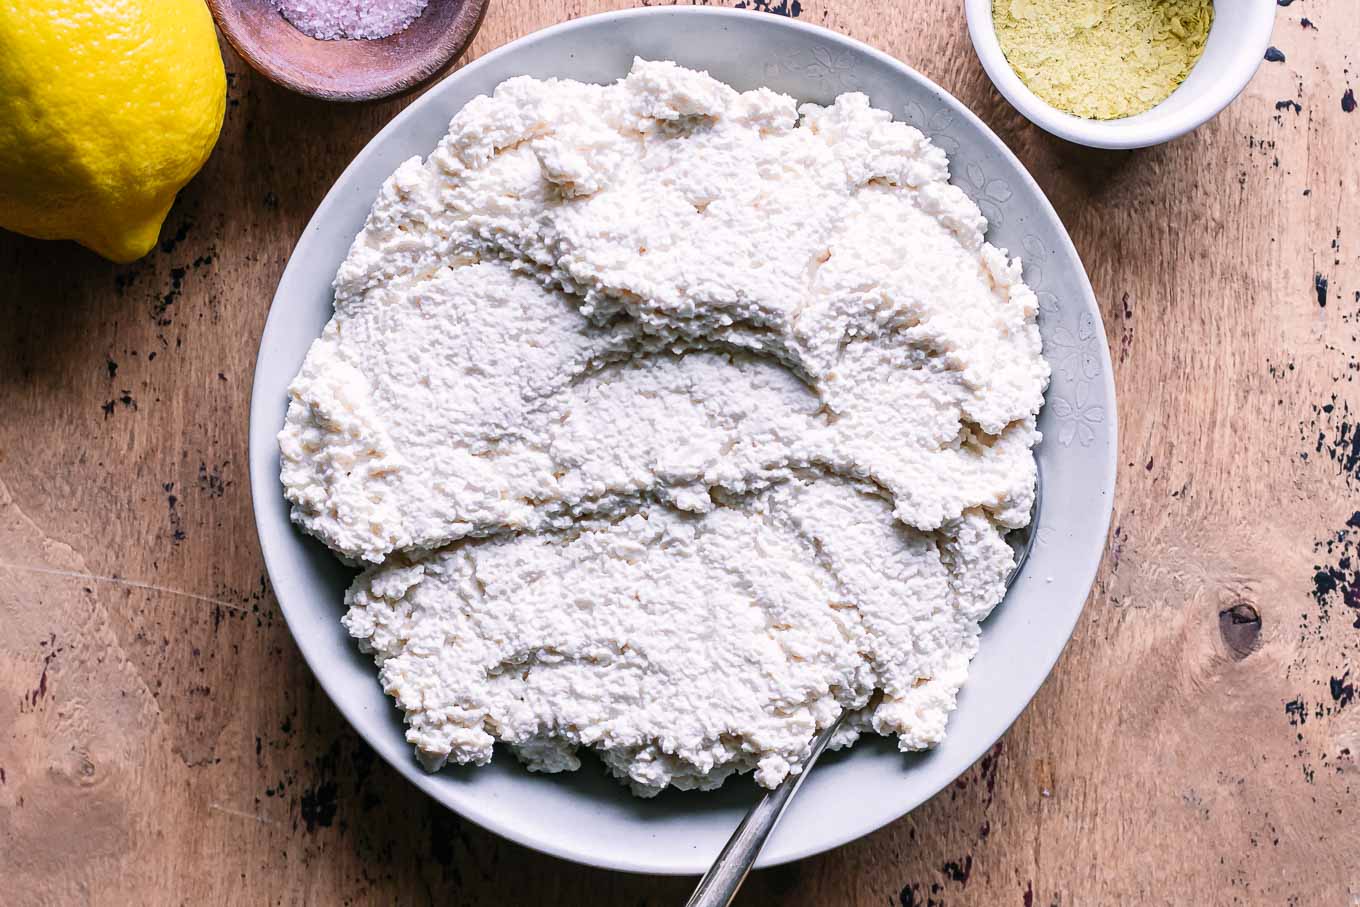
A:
[1240,626]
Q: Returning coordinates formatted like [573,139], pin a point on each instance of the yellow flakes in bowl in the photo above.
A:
[1102,59]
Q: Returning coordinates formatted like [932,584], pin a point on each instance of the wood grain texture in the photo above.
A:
[161,741]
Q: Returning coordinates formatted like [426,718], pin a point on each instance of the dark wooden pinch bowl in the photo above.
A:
[344,70]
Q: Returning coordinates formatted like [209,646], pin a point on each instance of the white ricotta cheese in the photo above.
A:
[728,401]
[684,647]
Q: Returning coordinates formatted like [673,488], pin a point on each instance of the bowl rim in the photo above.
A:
[1121,134]
[265,482]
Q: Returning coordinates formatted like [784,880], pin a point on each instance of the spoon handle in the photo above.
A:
[719,885]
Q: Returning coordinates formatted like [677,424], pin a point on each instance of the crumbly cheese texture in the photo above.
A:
[674,421]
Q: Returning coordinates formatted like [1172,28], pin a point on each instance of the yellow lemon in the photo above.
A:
[107,109]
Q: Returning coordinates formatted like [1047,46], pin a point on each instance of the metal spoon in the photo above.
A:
[720,884]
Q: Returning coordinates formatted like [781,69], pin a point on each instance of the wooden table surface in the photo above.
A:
[162,742]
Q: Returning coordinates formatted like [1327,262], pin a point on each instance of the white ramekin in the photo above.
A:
[1236,46]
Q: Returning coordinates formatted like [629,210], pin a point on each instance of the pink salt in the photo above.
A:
[328,20]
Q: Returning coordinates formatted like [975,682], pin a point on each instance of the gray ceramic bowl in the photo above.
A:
[584,816]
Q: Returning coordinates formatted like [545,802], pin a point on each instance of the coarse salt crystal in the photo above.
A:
[328,20]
